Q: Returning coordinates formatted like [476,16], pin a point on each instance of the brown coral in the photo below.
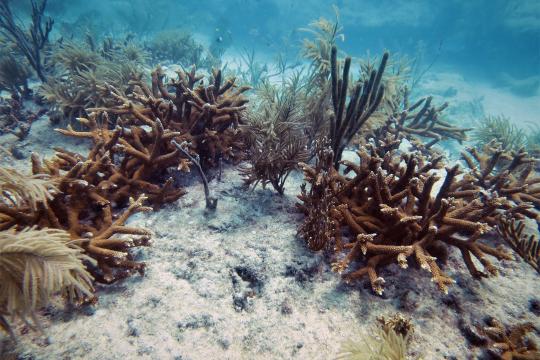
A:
[509,173]
[510,342]
[75,204]
[428,122]
[392,212]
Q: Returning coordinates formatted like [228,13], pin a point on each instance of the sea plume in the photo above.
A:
[35,265]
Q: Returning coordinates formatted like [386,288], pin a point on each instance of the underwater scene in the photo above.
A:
[270,179]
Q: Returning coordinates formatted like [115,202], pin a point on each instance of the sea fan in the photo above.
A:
[35,265]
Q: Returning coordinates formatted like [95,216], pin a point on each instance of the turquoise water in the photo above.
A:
[496,41]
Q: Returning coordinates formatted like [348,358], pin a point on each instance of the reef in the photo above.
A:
[390,211]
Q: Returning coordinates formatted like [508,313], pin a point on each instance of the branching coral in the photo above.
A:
[130,159]
[510,343]
[392,212]
[207,117]
[15,119]
[74,198]
[30,43]
[427,122]
[82,74]
[35,265]
[509,174]
[420,120]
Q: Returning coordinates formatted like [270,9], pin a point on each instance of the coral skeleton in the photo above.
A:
[389,212]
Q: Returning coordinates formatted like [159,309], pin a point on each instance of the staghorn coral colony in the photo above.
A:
[379,197]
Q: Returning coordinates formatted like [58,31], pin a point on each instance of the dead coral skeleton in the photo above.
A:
[393,213]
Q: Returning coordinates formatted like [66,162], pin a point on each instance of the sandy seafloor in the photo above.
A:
[239,284]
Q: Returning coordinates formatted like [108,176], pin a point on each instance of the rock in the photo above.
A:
[303,269]
[196,321]
[286,307]
[132,329]
[534,306]
[247,282]
[18,152]
[471,333]
[225,343]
